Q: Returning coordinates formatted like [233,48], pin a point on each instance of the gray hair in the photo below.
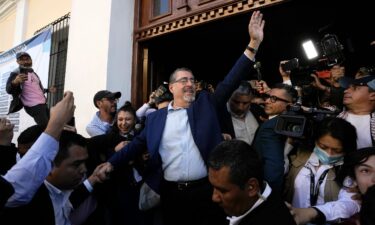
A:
[172,77]
[243,89]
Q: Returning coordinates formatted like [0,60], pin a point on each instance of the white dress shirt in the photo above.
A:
[97,126]
[244,129]
[235,220]
[181,159]
[61,204]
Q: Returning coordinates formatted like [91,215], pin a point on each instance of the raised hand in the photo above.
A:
[61,113]
[120,145]
[52,89]
[6,132]
[256,26]
[20,78]
[285,75]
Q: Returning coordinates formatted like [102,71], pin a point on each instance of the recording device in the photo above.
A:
[72,122]
[290,65]
[163,89]
[325,74]
[300,122]
[332,55]
[257,66]
[332,49]
[25,70]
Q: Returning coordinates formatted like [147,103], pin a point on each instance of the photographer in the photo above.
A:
[27,91]
[333,91]
[319,88]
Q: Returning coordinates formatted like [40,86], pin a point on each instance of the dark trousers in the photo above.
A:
[40,113]
[190,205]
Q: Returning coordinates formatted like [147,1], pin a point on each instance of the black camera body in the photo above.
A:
[25,70]
[290,65]
[301,123]
[332,50]
[331,54]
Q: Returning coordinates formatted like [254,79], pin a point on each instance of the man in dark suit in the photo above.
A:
[267,142]
[180,137]
[236,173]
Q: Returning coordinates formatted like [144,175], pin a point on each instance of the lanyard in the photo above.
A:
[314,189]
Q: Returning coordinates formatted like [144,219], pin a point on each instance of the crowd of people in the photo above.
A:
[194,153]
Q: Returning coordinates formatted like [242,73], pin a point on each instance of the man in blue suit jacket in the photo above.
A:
[269,144]
[180,137]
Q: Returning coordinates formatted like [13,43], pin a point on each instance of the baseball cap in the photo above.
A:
[371,84]
[345,82]
[105,94]
[363,81]
[19,54]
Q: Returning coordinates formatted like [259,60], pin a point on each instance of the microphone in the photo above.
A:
[257,66]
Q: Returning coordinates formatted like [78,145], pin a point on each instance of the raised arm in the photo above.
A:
[244,64]
[29,173]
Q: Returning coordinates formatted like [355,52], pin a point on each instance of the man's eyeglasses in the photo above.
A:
[274,98]
[184,80]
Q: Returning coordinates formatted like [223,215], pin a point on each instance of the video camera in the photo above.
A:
[332,54]
[300,122]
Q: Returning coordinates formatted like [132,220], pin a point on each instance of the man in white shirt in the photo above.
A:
[64,189]
[240,119]
[106,102]
[180,137]
[359,101]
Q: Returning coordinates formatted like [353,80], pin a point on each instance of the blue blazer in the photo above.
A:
[270,147]
[203,121]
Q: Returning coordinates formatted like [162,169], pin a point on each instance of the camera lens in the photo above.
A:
[292,127]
